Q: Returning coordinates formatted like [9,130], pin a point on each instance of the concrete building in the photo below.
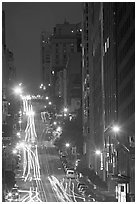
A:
[45,58]
[66,39]
[92,82]
[74,82]
[125,33]
[108,89]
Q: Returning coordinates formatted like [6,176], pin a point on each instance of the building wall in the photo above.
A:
[126,85]
[92,81]
[46,60]
[126,67]
[74,79]
[65,39]
[108,85]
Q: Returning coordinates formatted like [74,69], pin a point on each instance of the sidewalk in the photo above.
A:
[109,194]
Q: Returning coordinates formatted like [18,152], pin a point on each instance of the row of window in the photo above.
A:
[128,111]
[130,65]
[124,8]
[124,50]
[125,28]
[127,91]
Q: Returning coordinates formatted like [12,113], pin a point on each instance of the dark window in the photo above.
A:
[122,188]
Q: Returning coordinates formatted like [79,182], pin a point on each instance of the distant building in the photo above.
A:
[66,39]
[74,82]
[45,58]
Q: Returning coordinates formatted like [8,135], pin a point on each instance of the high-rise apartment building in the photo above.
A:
[108,69]
[45,58]
[92,81]
[66,39]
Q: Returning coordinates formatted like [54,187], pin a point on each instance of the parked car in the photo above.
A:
[82,188]
[90,199]
[70,174]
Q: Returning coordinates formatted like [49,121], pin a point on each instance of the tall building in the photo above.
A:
[45,58]
[66,39]
[125,38]
[108,68]
[74,82]
[92,81]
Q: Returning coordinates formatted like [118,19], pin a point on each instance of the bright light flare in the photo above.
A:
[116,128]
[30,113]
[18,134]
[55,123]
[14,151]
[67,145]
[58,129]
[65,110]
[18,90]
[98,152]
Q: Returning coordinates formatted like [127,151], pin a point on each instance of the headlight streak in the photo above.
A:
[75,195]
[59,189]
[31,156]
[33,163]
[41,189]
[56,190]
[32,196]
[24,162]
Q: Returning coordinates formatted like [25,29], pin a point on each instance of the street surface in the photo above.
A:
[41,176]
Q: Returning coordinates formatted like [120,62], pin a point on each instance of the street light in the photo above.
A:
[18,134]
[55,123]
[58,129]
[98,152]
[67,145]
[116,128]
[15,151]
[65,110]
[18,90]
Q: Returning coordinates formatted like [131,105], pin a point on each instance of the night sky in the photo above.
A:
[24,23]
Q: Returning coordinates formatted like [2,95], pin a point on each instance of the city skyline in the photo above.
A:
[24,23]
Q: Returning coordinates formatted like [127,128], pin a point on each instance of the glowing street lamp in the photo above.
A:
[18,134]
[58,129]
[65,110]
[18,90]
[116,128]
[98,152]
[67,145]
[47,97]
[50,103]
[15,151]
[55,123]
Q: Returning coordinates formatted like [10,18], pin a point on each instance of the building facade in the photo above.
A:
[108,99]
[66,39]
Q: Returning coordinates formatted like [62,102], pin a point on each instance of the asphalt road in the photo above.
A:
[52,185]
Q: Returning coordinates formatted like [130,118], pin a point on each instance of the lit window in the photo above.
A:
[105,47]
[108,42]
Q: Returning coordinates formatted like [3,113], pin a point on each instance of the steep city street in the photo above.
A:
[68,101]
[51,185]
